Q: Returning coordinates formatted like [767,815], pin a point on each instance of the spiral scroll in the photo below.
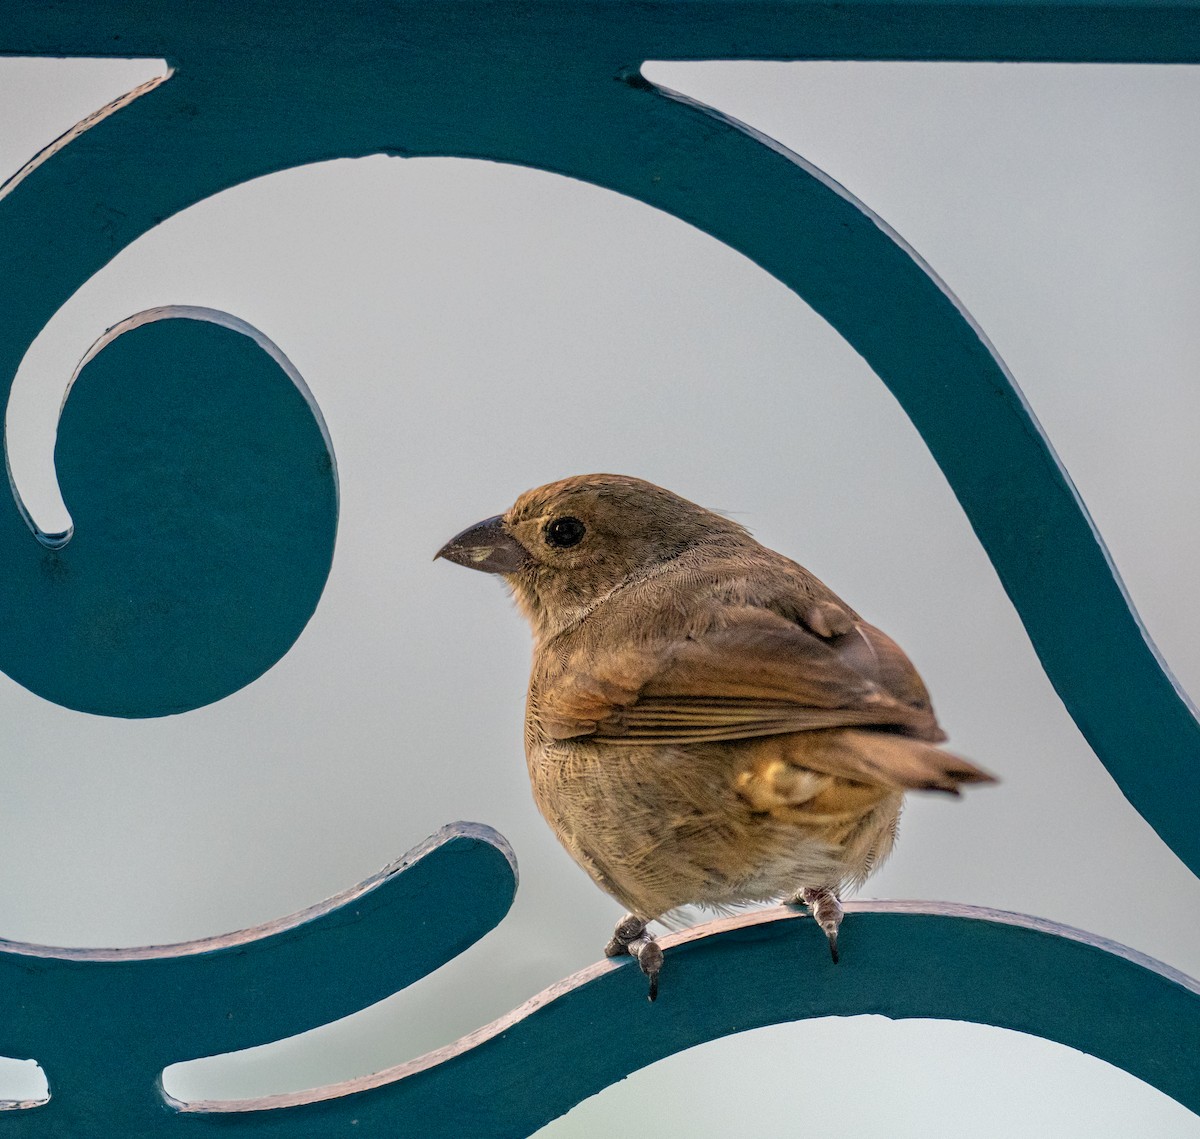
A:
[202,485]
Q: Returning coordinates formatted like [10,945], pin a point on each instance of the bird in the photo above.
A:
[707,724]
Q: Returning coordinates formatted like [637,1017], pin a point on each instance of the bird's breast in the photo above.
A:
[659,827]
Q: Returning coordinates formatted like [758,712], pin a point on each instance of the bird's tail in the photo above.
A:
[901,762]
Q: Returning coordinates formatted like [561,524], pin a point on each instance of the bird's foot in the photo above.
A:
[630,937]
[826,911]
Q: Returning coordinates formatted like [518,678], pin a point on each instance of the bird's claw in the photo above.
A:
[630,937]
[826,911]
[649,958]
[628,930]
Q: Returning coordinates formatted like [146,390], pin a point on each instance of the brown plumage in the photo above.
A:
[707,723]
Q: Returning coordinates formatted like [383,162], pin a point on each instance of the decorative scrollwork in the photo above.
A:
[104,1023]
[202,487]
[204,494]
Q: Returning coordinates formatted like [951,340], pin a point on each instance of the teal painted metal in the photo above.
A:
[132,1012]
[204,500]
[256,88]
[104,1023]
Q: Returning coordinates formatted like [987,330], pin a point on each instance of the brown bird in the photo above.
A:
[706,723]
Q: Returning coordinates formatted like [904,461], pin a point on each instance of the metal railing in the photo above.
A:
[88,618]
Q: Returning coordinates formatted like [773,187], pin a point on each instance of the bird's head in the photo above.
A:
[565,546]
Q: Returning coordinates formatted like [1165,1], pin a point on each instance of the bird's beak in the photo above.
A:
[486,546]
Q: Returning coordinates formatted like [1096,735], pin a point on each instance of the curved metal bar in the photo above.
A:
[200,553]
[103,1023]
[802,227]
[904,959]
[194,461]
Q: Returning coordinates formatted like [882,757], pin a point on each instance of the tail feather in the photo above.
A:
[898,761]
[844,772]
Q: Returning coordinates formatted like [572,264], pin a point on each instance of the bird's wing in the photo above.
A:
[754,673]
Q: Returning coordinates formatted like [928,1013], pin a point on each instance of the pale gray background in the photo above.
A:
[560,329]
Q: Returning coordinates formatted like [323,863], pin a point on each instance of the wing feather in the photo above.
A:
[753,674]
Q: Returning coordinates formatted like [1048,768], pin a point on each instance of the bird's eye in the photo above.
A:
[564,532]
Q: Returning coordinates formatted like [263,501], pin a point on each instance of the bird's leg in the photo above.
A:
[826,911]
[630,937]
